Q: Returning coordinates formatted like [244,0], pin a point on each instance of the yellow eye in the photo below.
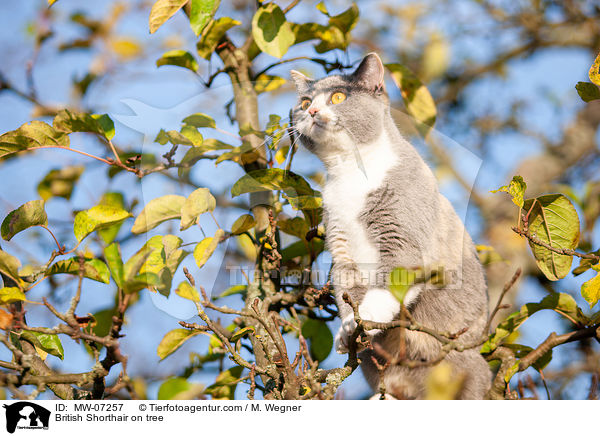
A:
[305,104]
[338,97]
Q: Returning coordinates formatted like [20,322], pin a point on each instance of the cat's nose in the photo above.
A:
[312,111]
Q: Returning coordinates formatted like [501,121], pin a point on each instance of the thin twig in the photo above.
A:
[505,289]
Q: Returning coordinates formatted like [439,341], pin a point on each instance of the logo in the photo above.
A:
[26,415]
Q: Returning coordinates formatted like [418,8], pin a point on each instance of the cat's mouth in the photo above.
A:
[318,123]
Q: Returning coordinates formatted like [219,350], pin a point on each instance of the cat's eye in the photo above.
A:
[305,104]
[338,97]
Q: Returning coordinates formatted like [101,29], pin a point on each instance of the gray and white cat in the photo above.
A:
[383,209]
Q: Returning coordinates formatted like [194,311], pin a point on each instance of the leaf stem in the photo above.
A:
[60,248]
[563,251]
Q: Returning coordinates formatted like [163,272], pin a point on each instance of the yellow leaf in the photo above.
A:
[247,247]
[436,57]
[595,71]
[126,48]
[443,383]
[187,291]
[281,154]
[206,248]
[41,352]
[11,295]
[161,11]
[417,99]
[590,290]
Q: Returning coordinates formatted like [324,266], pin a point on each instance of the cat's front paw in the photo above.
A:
[378,305]
[343,335]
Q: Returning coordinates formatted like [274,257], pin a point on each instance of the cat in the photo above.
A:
[383,209]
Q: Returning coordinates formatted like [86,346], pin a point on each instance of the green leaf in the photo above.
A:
[107,124]
[594,72]
[198,202]
[267,83]
[209,144]
[417,99]
[112,254]
[192,134]
[488,255]
[294,226]
[561,303]
[331,38]
[215,346]
[32,135]
[157,261]
[69,122]
[102,322]
[241,333]
[136,262]
[346,20]
[225,384]
[322,8]
[243,224]
[587,91]
[173,340]
[212,34]
[585,264]
[49,343]
[97,217]
[401,280]
[113,199]
[11,295]
[200,120]
[31,273]
[201,13]
[28,215]
[523,350]
[187,291]
[161,11]
[307,31]
[305,202]
[233,290]
[320,338]
[590,290]
[93,269]
[271,31]
[141,281]
[207,247]
[303,248]
[272,179]
[337,34]
[172,387]
[158,211]
[179,58]
[275,130]
[172,136]
[60,182]
[9,266]
[516,188]
[242,154]
[553,220]
[196,153]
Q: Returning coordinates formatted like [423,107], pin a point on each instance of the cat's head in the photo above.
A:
[339,112]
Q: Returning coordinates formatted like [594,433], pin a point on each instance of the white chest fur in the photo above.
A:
[344,195]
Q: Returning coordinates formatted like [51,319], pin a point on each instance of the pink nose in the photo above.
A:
[312,111]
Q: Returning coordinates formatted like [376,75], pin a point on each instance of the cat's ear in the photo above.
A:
[302,82]
[370,73]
